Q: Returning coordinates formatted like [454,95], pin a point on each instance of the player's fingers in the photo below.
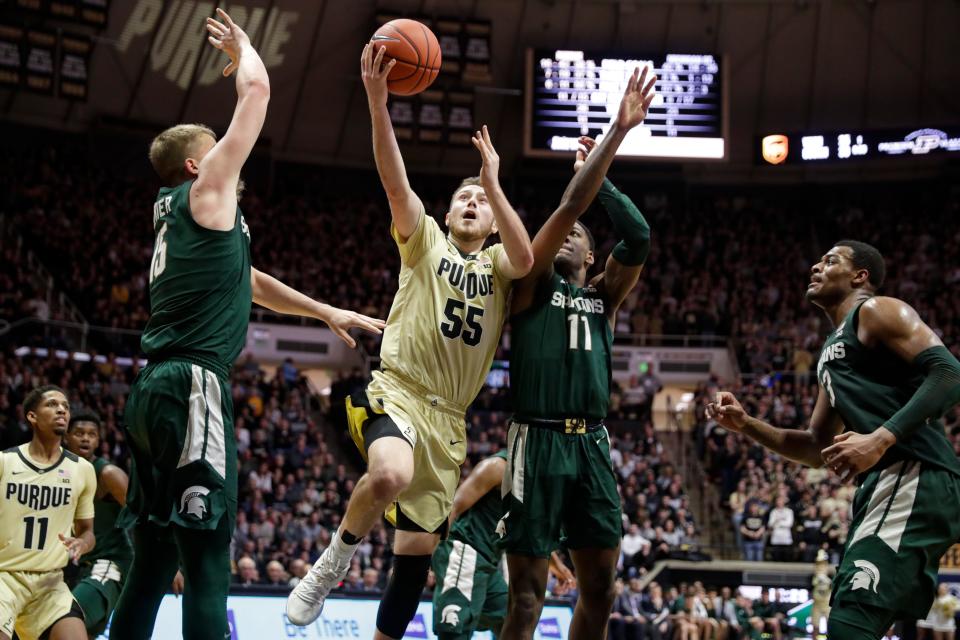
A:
[378,61]
[215,42]
[647,88]
[345,337]
[223,16]
[843,436]
[643,76]
[486,136]
[229,69]
[648,100]
[364,57]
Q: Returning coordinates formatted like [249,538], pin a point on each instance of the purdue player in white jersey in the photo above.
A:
[46,520]
[441,335]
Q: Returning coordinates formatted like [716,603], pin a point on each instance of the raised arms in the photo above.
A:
[517,258]
[213,197]
[405,207]
[584,186]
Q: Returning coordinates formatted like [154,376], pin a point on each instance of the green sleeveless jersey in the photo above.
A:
[112,543]
[200,291]
[477,526]
[560,354]
[867,386]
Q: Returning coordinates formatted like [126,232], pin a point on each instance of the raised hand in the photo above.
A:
[341,321]
[727,411]
[490,171]
[227,37]
[374,73]
[636,99]
[587,144]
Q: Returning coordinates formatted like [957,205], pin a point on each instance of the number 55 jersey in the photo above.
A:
[441,336]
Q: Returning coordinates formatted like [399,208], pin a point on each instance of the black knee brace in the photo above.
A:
[402,596]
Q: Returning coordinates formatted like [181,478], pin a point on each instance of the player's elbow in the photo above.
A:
[256,89]
[523,263]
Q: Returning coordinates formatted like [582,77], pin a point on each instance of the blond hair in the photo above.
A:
[466,182]
[170,149]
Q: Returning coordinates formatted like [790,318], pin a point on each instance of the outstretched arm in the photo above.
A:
[485,477]
[803,446]
[274,295]
[517,257]
[213,197]
[405,207]
[584,186]
[897,326]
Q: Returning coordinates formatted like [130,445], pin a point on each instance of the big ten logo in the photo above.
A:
[951,559]
[417,627]
[549,628]
[177,35]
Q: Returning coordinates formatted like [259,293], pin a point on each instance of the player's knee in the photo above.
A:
[387,483]
[597,589]
[525,608]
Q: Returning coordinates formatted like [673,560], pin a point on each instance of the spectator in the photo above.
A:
[247,574]
[753,532]
[780,522]
[276,574]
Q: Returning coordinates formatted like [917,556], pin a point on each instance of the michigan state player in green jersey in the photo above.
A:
[560,475]
[103,569]
[471,593]
[179,414]
[886,377]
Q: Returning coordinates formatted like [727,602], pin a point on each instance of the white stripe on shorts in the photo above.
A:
[890,505]
[461,567]
[204,422]
[513,478]
[215,453]
[196,419]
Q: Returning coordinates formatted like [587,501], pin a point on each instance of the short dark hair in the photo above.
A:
[593,243]
[866,256]
[32,399]
[84,416]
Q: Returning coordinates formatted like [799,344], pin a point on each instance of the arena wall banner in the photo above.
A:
[262,617]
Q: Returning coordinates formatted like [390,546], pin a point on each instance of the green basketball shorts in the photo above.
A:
[97,591]
[558,481]
[905,517]
[179,423]
[470,595]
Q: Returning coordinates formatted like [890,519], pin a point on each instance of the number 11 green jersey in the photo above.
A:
[560,354]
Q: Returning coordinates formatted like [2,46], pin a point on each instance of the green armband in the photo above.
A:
[629,224]
[939,392]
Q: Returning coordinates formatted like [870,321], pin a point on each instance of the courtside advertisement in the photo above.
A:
[262,618]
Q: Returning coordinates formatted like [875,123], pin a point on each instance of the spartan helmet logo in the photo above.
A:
[450,615]
[502,525]
[867,578]
[192,502]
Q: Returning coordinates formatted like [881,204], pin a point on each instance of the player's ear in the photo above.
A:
[191,166]
[446,219]
[494,228]
[589,259]
[860,277]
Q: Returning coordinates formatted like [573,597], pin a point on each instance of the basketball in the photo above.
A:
[416,51]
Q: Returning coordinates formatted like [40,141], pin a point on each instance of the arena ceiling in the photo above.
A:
[792,65]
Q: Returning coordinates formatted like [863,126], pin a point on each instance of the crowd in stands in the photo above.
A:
[296,475]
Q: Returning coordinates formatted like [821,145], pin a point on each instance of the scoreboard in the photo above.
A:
[572,93]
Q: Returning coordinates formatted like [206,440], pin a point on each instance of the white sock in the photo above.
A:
[342,552]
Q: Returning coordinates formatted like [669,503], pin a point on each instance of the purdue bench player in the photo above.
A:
[47,493]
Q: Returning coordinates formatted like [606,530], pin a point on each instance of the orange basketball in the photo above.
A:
[416,51]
